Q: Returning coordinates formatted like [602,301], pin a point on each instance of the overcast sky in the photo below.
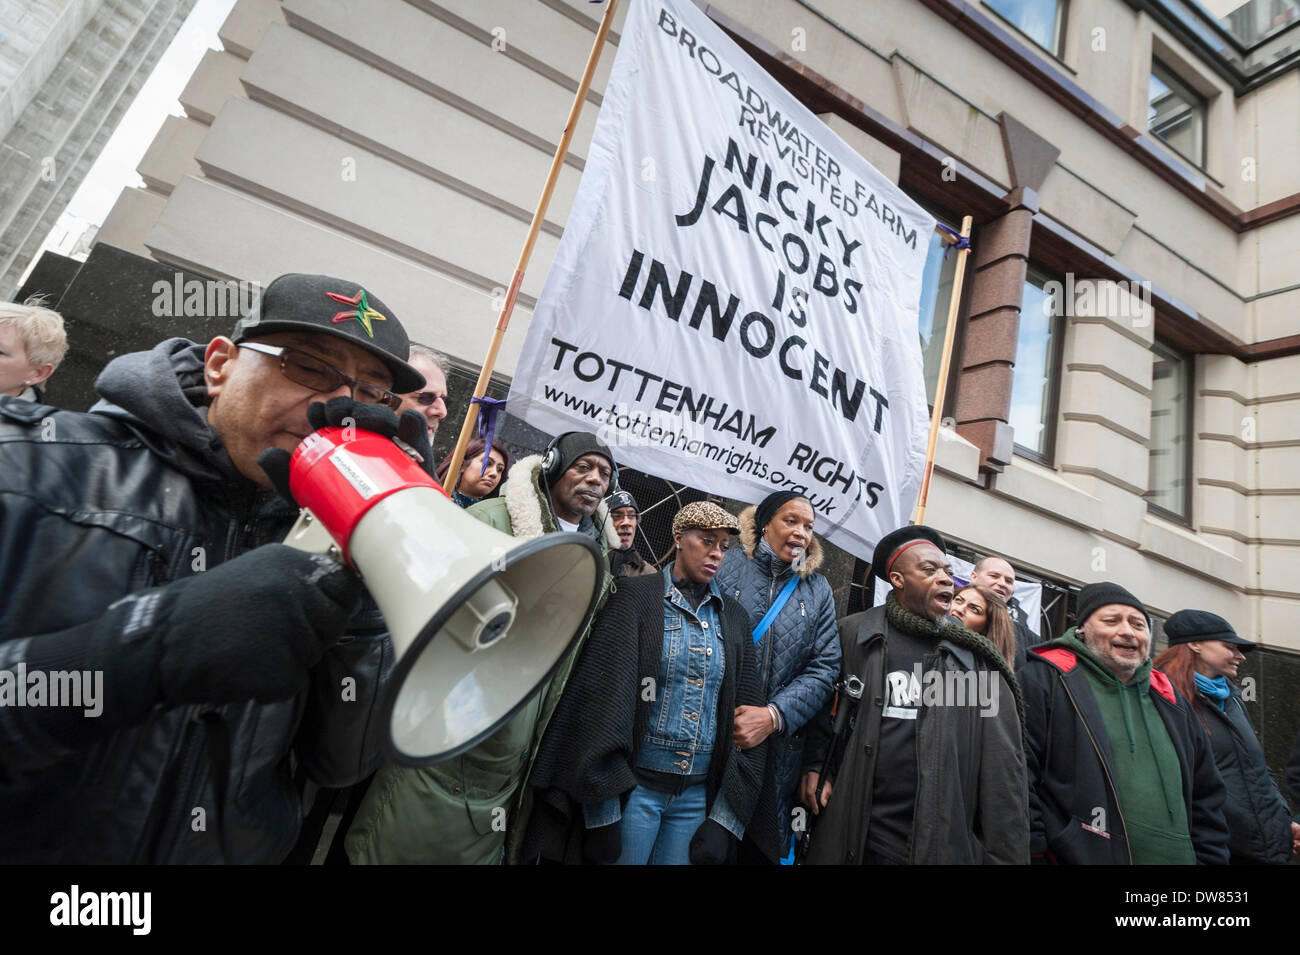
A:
[114,170]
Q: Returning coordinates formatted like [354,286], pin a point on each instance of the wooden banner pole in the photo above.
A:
[503,319]
[949,336]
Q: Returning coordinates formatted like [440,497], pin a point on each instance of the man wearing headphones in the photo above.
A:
[470,809]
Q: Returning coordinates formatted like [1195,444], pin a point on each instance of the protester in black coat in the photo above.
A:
[590,760]
[137,543]
[929,768]
[1202,659]
[1075,810]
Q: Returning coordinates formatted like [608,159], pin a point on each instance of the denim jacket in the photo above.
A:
[680,737]
[683,716]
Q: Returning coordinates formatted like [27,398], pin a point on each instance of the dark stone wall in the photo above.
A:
[114,304]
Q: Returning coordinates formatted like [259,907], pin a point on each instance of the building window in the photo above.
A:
[1035,385]
[1170,444]
[936,291]
[1040,20]
[1176,113]
[1251,21]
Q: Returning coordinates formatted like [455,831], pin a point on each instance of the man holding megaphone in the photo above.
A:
[161,654]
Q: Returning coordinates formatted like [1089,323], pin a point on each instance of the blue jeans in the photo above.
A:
[657,827]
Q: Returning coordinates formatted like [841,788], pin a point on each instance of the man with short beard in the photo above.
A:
[999,576]
[474,809]
[913,777]
[1120,770]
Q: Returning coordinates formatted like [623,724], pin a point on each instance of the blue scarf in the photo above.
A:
[1216,689]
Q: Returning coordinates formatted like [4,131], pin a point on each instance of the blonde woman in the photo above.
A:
[32,343]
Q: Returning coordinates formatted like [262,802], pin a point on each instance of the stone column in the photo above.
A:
[988,356]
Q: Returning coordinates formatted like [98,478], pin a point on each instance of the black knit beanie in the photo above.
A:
[1095,596]
[574,445]
[768,507]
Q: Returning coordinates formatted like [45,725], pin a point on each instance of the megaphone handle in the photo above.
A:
[309,534]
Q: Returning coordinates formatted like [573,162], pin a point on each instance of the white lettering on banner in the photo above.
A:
[747,316]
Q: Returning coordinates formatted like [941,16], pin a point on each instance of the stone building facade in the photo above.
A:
[1124,400]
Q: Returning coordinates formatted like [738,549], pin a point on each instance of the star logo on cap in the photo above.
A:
[363,313]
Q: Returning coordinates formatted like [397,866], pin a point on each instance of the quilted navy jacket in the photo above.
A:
[798,663]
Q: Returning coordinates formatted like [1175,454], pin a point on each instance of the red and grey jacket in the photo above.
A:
[1074,812]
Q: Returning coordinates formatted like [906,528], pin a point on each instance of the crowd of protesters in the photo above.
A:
[713,711]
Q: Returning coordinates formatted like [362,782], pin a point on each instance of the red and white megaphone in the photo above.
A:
[479,620]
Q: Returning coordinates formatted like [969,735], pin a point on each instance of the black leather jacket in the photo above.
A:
[94,507]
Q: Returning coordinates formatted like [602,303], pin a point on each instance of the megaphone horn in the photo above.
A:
[478,619]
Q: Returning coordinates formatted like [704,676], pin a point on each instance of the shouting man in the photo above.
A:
[924,760]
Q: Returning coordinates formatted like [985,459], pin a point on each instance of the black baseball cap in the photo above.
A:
[321,304]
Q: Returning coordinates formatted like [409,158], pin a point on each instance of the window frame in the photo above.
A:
[1046,458]
[1188,360]
[1057,52]
[945,215]
[1186,90]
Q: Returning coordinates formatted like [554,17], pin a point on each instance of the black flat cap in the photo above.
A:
[1190,626]
[891,542]
[329,306]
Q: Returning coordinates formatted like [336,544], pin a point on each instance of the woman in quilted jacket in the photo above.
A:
[798,654]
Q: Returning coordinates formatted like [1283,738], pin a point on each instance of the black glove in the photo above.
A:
[249,629]
[712,844]
[603,845]
[411,428]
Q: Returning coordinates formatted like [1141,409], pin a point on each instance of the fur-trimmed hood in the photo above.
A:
[530,511]
[813,556]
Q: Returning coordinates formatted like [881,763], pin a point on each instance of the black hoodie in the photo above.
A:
[135,494]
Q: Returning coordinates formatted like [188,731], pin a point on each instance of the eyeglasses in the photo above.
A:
[426,398]
[315,374]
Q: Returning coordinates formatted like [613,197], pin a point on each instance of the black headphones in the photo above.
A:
[551,464]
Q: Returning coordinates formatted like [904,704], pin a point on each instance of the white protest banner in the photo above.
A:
[734,301]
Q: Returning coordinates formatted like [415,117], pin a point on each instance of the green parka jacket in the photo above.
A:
[469,809]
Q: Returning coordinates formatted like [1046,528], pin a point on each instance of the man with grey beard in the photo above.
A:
[1120,770]
[916,773]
